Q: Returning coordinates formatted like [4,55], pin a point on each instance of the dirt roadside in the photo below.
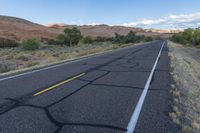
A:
[185,64]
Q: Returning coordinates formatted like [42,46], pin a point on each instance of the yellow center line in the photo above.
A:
[59,84]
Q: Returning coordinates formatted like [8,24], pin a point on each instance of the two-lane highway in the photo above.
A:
[121,91]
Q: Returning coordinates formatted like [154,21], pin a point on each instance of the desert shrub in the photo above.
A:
[49,41]
[6,67]
[100,39]
[189,36]
[31,44]
[31,64]
[52,42]
[109,39]
[63,56]
[157,38]
[88,40]
[73,36]
[62,39]
[70,38]
[196,37]
[131,37]
[198,46]
[119,38]
[179,38]
[148,38]
[23,57]
[7,43]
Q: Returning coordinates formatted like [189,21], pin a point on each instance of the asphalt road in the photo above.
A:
[97,94]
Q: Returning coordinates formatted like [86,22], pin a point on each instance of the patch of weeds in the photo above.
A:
[63,56]
[40,54]
[186,129]
[31,64]
[174,118]
[9,57]
[195,125]
[23,57]
[198,46]
[176,113]
[50,59]
[6,67]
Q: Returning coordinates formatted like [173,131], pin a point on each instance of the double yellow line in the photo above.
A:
[59,84]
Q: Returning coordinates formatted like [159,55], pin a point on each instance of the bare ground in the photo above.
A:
[185,64]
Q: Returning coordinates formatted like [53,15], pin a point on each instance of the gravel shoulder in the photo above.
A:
[185,65]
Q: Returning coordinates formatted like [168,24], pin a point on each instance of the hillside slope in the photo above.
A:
[109,31]
[20,29]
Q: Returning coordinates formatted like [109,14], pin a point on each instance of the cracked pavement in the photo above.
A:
[101,101]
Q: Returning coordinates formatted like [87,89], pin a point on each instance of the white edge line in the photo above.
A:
[136,113]
[68,62]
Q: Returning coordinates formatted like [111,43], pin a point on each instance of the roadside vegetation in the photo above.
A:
[189,37]
[31,44]
[186,87]
[40,52]
[8,43]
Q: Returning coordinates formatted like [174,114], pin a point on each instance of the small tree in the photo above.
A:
[196,37]
[119,38]
[131,37]
[73,35]
[31,44]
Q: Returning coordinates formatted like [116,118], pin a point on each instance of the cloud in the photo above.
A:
[181,21]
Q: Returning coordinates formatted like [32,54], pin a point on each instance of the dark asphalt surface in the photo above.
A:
[101,101]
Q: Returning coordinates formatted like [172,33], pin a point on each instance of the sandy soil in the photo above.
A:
[185,64]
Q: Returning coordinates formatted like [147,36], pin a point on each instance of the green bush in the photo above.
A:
[52,42]
[100,39]
[31,44]
[88,40]
[49,41]
[73,36]
[189,37]
[62,39]
[6,67]
[119,38]
[131,37]
[148,38]
[196,38]
[70,38]
[7,43]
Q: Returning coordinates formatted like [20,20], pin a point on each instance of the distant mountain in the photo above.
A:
[20,29]
[109,31]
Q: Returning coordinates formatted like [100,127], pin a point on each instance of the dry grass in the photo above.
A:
[14,59]
[186,90]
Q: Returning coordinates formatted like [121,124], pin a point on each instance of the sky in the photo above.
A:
[162,14]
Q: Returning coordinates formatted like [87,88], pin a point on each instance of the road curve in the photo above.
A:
[120,91]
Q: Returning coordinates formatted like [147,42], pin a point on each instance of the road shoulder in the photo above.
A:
[185,72]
